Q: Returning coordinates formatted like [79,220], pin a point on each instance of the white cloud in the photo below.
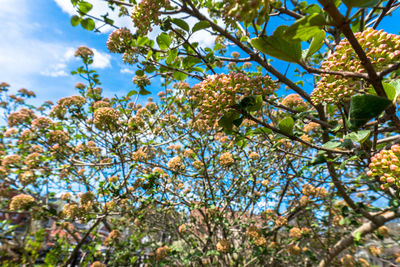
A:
[66,6]
[101,60]
[127,71]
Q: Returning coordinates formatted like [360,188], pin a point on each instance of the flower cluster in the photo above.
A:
[294,101]
[98,264]
[246,11]
[27,177]
[219,92]
[162,253]
[106,118]
[41,123]
[311,126]
[381,48]
[72,101]
[256,234]
[24,115]
[141,81]
[84,52]
[175,163]
[146,13]
[223,245]
[386,164]
[226,159]
[58,137]
[71,210]
[11,160]
[119,40]
[21,202]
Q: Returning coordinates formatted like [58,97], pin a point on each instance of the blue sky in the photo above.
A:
[37,47]
[38,43]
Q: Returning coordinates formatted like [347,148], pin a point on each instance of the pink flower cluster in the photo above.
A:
[146,13]
[119,40]
[382,49]
[386,164]
[106,118]
[24,115]
[219,92]
[294,101]
[83,52]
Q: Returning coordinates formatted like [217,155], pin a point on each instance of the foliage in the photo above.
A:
[235,163]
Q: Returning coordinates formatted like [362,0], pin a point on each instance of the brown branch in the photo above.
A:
[340,73]
[79,245]
[383,13]
[348,240]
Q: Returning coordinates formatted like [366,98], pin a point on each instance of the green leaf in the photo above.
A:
[360,3]
[226,121]
[365,107]
[142,40]
[143,91]
[200,25]
[251,103]
[306,27]
[358,137]
[286,125]
[139,72]
[278,47]
[179,75]
[85,7]
[318,159]
[88,24]
[163,41]
[150,68]
[332,144]
[172,54]
[180,23]
[75,20]
[392,89]
[316,43]
[357,236]
[131,93]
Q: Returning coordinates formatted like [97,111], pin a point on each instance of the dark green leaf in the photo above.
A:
[278,47]
[318,159]
[251,103]
[143,91]
[180,23]
[365,107]
[200,25]
[139,72]
[226,121]
[75,20]
[88,24]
